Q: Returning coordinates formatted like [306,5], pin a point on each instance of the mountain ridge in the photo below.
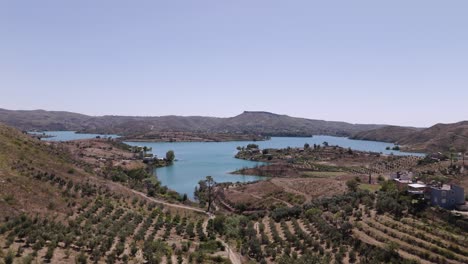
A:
[248,122]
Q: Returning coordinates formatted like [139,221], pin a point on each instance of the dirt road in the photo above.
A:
[233,256]
[170,204]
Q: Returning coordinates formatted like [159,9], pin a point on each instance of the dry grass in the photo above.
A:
[282,191]
[324,174]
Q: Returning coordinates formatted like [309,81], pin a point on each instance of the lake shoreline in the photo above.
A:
[196,160]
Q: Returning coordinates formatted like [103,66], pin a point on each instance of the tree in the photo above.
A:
[218,224]
[352,185]
[170,156]
[452,156]
[391,251]
[325,144]
[210,184]
[306,146]
[463,150]
[252,146]
[389,186]
[133,249]
[206,193]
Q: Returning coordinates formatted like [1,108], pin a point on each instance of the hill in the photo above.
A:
[53,211]
[390,134]
[43,120]
[20,158]
[263,123]
[440,137]
[270,124]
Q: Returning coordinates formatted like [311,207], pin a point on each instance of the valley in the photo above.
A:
[233,132]
[96,200]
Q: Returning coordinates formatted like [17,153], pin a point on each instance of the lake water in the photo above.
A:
[196,160]
[69,135]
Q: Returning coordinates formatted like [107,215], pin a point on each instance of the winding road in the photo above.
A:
[171,204]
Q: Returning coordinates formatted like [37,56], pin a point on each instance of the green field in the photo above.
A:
[370,187]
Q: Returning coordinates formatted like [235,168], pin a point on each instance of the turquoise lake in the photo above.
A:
[69,135]
[196,160]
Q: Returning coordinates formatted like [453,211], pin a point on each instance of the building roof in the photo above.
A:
[402,181]
[417,185]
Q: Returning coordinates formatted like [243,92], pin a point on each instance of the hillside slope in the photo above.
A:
[43,120]
[23,161]
[41,178]
[246,123]
[391,134]
[51,211]
[440,137]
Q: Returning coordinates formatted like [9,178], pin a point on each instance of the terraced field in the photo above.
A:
[113,231]
[348,229]
[53,210]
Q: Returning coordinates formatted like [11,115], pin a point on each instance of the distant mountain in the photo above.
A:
[282,125]
[263,123]
[43,120]
[440,137]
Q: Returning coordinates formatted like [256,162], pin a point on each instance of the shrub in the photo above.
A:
[50,253]
[281,213]
[9,257]
[28,259]
[211,246]
[81,258]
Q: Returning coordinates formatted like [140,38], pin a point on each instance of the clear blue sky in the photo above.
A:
[397,62]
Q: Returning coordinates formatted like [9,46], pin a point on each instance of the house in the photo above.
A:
[446,196]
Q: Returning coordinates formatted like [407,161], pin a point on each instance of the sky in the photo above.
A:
[389,62]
